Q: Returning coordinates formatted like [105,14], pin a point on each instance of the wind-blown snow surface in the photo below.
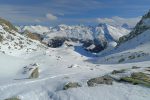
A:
[55,71]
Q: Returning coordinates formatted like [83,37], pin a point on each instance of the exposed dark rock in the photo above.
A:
[118,71]
[87,43]
[137,78]
[1,38]
[135,67]
[121,60]
[71,85]
[132,57]
[59,41]
[97,49]
[100,80]
[56,42]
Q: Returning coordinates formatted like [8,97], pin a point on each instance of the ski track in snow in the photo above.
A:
[34,81]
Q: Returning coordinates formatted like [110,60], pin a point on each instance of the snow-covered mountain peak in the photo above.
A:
[111,32]
[101,34]
[102,24]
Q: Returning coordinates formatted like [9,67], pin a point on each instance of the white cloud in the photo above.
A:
[37,20]
[118,21]
[51,17]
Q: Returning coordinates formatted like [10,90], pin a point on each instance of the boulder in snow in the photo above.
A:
[32,71]
[100,80]
[71,85]
[35,73]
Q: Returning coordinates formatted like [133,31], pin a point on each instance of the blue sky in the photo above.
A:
[53,12]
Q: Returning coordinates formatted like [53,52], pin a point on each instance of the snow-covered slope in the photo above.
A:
[133,47]
[107,33]
[58,66]
[12,43]
[12,65]
[142,25]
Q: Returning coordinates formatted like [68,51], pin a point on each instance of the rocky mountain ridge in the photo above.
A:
[142,25]
[13,43]
[102,35]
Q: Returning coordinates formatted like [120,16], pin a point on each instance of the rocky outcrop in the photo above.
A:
[71,85]
[94,46]
[35,73]
[13,42]
[118,71]
[7,25]
[1,38]
[138,78]
[96,49]
[56,42]
[32,36]
[100,80]
[31,71]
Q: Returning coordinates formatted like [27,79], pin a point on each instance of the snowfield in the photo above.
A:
[58,67]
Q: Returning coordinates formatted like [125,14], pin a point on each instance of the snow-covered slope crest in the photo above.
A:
[142,25]
[134,50]
[133,47]
[12,43]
